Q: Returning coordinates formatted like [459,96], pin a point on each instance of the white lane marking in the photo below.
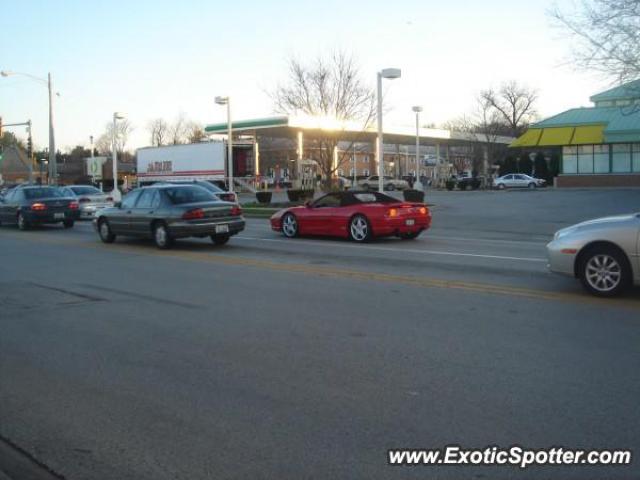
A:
[485,240]
[266,228]
[395,250]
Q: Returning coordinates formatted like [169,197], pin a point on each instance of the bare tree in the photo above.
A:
[194,132]
[327,88]
[123,131]
[178,130]
[514,103]
[159,130]
[607,34]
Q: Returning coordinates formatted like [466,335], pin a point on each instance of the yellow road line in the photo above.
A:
[421,282]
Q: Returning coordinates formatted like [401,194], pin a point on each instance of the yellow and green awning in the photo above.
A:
[560,136]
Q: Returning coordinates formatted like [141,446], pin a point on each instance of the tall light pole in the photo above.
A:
[417,185]
[53,169]
[115,194]
[227,101]
[389,73]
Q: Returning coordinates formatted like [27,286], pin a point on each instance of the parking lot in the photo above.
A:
[274,358]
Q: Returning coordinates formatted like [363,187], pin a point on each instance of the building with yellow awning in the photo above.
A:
[600,145]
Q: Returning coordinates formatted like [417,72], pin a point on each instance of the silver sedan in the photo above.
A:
[603,253]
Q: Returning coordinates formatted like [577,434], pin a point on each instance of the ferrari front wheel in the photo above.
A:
[289,225]
[359,229]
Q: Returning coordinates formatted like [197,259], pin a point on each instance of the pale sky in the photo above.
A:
[159,58]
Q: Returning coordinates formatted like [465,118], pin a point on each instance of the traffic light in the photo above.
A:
[29,147]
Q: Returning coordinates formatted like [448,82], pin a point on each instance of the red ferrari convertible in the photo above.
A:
[359,216]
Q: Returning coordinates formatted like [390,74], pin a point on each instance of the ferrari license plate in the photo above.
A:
[410,222]
[58,216]
[222,228]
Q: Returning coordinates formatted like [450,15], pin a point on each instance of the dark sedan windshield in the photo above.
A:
[44,192]
[180,195]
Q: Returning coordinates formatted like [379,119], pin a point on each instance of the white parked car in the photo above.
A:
[518,180]
[89,198]
[389,183]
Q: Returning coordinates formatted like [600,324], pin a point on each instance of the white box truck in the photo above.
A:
[195,161]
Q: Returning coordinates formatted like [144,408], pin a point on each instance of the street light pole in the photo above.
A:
[115,194]
[418,185]
[227,101]
[52,169]
[389,73]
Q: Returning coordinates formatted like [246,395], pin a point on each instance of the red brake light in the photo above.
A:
[73,205]
[393,212]
[423,210]
[38,206]
[236,210]
[194,214]
[84,200]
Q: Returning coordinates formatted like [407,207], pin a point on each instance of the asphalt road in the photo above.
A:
[309,358]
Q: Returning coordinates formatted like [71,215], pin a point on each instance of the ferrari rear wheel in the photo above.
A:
[359,229]
[289,225]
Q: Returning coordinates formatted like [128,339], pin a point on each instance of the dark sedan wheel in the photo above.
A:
[605,272]
[220,239]
[104,230]
[289,225]
[359,229]
[23,224]
[68,223]
[161,236]
[501,186]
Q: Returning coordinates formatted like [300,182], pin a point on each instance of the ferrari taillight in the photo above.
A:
[393,212]
[194,214]
[423,210]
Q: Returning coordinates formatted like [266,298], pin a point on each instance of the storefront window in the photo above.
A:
[601,158]
[569,160]
[585,159]
[621,159]
[636,157]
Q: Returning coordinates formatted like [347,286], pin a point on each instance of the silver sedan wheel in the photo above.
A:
[289,226]
[161,236]
[359,229]
[22,223]
[603,273]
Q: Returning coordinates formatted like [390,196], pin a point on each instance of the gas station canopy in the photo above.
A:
[288,127]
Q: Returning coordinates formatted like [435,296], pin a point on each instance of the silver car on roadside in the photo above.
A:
[90,199]
[518,180]
[603,253]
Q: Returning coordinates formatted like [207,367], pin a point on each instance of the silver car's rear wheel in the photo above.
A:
[161,236]
[22,222]
[289,225]
[604,272]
